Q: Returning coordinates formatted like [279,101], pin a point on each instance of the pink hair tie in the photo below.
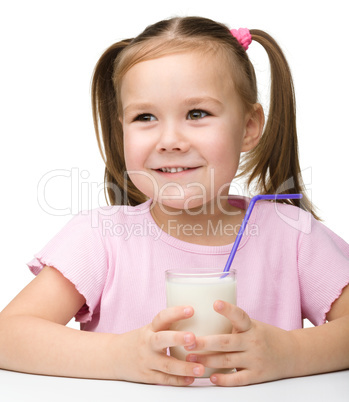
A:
[243,36]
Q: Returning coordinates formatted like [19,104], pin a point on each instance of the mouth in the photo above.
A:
[173,169]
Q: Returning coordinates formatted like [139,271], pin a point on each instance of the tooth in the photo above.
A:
[173,170]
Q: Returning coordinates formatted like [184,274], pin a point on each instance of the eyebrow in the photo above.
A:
[189,102]
[202,99]
[137,106]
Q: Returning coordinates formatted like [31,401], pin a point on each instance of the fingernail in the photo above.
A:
[192,358]
[187,311]
[213,379]
[191,347]
[197,371]
[187,338]
[219,305]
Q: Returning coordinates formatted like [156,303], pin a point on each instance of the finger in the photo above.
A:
[219,360]
[218,343]
[240,320]
[168,379]
[236,379]
[171,365]
[165,318]
[164,339]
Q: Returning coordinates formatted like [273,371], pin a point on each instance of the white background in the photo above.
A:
[48,52]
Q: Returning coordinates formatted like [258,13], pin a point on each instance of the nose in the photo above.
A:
[172,140]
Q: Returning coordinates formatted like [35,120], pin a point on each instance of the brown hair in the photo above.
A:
[272,166]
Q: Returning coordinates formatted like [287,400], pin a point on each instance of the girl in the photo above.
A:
[174,109]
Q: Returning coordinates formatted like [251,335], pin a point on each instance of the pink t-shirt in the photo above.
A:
[289,266]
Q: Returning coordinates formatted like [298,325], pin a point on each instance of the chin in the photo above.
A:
[191,206]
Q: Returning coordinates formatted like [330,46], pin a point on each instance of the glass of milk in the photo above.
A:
[200,288]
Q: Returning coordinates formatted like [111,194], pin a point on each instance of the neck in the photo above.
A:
[206,225]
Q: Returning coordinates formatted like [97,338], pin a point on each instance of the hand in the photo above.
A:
[145,356]
[260,352]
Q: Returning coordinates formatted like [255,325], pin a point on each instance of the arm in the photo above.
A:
[263,352]
[34,339]
[328,344]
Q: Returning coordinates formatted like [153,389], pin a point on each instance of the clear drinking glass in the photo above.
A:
[200,288]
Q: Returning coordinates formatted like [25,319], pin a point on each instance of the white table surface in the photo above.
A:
[333,387]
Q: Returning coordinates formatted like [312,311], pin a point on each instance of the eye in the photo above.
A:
[196,114]
[145,117]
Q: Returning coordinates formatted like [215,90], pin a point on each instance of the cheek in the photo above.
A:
[225,149]
[130,159]
[135,156]
[225,157]
[134,151]
[144,181]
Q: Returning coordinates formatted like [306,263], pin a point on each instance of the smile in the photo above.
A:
[173,169]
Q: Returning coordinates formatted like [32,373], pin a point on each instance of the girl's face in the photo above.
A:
[184,129]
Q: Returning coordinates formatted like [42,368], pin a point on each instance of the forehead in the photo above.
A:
[184,73]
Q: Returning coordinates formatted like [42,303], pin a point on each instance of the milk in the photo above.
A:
[200,291]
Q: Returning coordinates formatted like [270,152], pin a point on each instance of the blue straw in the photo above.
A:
[247,216]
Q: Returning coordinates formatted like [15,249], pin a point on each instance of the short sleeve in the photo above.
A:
[323,263]
[78,252]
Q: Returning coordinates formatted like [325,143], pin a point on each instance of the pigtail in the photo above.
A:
[120,189]
[274,162]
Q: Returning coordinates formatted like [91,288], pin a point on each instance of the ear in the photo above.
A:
[254,128]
